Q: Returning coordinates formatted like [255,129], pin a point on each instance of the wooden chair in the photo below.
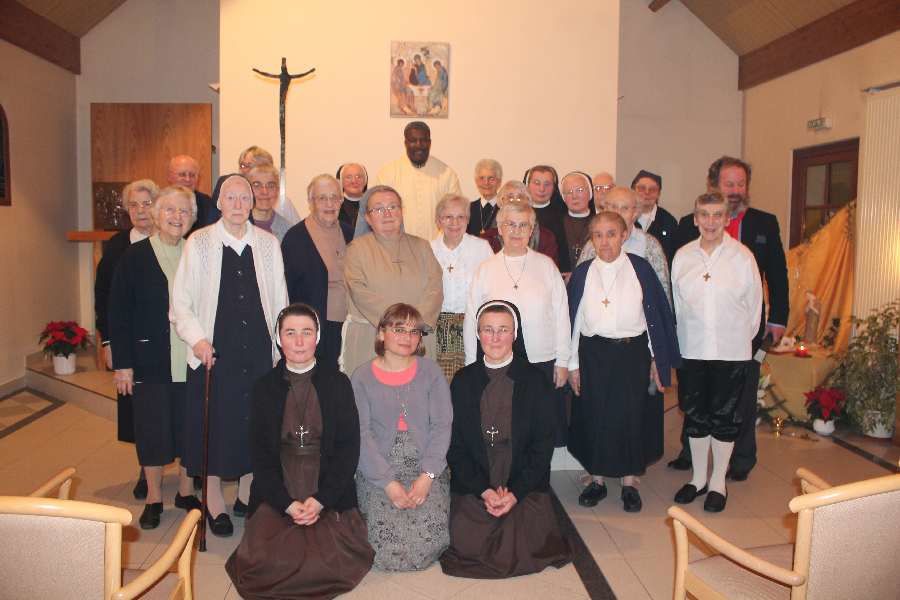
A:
[62,482]
[847,546]
[56,548]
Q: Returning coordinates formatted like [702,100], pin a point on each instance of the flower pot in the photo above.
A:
[876,431]
[64,365]
[823,427]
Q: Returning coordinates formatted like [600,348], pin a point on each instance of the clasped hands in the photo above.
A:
[413,497]
[498,502]
[304,513]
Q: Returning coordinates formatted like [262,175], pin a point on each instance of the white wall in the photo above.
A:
[530,82]
[145,51]
[680,107]
[776,112]
[37,264]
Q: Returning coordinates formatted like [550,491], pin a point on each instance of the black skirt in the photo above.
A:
[158,422]
[608,419]
[561,398]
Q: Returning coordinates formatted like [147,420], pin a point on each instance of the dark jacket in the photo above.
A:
[139,316]
[113,249]
[533,427]
[304,269]
[657,312]
[477,215]
[551,217]
[340,440]
[760,233]
[665,229]
[207,212]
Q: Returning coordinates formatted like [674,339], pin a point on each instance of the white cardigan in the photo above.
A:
[195,294]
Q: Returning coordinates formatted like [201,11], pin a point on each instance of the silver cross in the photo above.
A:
[492,432]
[300,433]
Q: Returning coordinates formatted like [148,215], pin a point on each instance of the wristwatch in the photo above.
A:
[429,474]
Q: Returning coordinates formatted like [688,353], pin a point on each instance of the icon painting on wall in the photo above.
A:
[420,79]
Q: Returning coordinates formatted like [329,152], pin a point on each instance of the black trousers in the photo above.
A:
[743,459]
[709,393]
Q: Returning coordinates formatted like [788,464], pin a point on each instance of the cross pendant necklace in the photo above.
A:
[450,268]
[706,276]
[606,301]
[493,431]
[300,433]
[506,266]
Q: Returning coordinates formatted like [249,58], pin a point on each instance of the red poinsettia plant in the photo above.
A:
[825,403]
[61,338]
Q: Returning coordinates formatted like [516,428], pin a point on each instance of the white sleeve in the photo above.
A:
[560,301]
[754,295]
[470,339]
[576,337]
[184,310]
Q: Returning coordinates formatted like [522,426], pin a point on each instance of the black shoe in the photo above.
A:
[592,494]
[239,509]
[140,489]
[220,526]
[188,503]
[715,502]
[736,475]
[680,464]
[198,483]
[688,493]
[631,498]
[150,517]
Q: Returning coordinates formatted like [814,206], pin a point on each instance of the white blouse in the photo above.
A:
[612,305]
[533,283]
[718,300]
[458,268]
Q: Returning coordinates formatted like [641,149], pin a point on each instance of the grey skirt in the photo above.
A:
[410,539]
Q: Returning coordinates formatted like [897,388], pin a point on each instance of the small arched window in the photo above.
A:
[5,197]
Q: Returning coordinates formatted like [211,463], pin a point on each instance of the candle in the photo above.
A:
[802,350]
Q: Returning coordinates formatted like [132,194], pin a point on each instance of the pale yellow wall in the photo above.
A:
[776,112]
[530,81]
[37,264]
[680,107]
[144,51]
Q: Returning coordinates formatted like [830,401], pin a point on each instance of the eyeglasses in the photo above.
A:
[578,190]
[383,210]
[258,185]
[510,226]
[246,165]
[454,218]
[514,197]
[490,332]
[327,198]
[603,187]
[140,204]
[405,331]
[171,210]
[646,189]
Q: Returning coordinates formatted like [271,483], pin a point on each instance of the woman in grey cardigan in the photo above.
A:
[405,419]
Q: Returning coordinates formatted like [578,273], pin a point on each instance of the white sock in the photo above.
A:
[244,488]
[699,460]
[185,482]
[215,501]
[598,479]
[721,452]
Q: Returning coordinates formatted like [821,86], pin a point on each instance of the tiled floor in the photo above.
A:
[19,409]
[634,551]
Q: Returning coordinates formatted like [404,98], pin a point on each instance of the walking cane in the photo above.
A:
[205,464]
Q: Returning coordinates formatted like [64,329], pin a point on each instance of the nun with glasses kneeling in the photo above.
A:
[502,522]
[305,537]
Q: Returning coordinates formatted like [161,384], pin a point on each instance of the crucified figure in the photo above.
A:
[284,79]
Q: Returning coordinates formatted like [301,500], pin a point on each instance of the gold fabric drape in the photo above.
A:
[824,265]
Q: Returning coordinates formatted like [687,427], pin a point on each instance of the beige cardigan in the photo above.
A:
[195,297]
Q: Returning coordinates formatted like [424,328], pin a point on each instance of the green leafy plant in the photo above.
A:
[867,370]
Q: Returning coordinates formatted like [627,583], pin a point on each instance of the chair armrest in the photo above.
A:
[732,552]
[810,482]
[62,480]
[181,544]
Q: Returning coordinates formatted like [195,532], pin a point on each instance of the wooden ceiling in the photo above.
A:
[747,25]
[75,16]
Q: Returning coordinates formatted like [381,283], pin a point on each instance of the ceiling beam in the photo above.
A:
[844,29]
[658,4]
[36,34]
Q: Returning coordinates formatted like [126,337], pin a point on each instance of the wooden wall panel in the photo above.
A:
[132,140]
[40,36]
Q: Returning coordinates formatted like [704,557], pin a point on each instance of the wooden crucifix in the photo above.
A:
[285,79]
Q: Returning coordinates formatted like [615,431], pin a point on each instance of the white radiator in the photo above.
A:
[877,232]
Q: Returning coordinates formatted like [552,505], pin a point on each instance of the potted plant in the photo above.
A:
[61,339]
[824,405]
[868,373]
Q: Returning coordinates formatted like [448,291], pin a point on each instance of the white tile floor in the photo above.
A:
[634,551]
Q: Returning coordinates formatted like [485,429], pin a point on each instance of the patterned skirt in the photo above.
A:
[451,355]
[409,539]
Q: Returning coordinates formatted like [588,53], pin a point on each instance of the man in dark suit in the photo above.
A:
[185,170]
[483,210]
[758,231]
[653,218]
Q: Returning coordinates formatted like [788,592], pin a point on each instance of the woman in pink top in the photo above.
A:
[405,418]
